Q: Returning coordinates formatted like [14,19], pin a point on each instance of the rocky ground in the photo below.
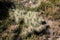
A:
[30,20]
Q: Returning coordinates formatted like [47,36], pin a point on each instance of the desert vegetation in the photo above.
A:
[29,19]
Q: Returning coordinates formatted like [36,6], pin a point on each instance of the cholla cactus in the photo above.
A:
[30,18]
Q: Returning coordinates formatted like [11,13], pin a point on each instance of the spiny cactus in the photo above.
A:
[29,17]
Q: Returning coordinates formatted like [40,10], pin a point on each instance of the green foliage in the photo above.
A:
[42,6]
